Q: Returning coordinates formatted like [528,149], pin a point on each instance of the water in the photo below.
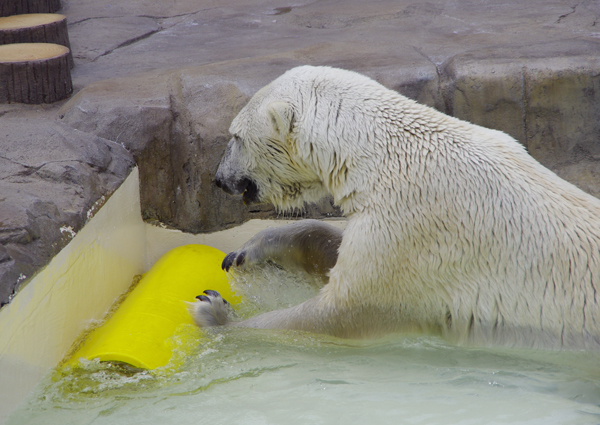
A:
[240,376]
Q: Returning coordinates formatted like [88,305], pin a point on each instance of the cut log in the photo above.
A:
[35,28]
[34,73]
[18,7]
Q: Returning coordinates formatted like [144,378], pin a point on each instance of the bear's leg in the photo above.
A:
[310,245]
[313,315]
[352,304]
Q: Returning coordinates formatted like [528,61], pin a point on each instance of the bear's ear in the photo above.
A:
[282,117]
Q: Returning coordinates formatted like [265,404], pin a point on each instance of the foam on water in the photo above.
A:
[241,376]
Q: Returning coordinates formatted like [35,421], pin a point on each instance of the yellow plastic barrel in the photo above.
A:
[153,321]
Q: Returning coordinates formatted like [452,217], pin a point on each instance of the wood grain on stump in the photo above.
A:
[34,73]
[35,28]
[18,7]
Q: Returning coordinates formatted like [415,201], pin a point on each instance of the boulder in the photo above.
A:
[52,180]
[176,126]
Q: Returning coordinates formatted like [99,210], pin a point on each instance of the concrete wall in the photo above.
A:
[79,285]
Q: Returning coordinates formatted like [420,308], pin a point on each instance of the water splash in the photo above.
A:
[269,287]
[249,376]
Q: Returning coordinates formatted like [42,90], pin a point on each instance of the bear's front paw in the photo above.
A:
[210,309]
[232,258]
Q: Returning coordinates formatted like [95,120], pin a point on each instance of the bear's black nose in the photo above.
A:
[231,186]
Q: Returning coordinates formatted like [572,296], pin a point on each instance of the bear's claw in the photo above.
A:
[213,294]
[203,298]
[228,261]
[210,309]
[231,258]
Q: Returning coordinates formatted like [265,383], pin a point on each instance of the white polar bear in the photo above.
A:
[452,228]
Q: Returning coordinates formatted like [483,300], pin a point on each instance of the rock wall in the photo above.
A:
[52,179]
[176,124]
[552,107]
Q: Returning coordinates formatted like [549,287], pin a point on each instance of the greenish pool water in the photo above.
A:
[238,376]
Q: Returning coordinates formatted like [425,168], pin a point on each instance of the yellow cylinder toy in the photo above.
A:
[153,320]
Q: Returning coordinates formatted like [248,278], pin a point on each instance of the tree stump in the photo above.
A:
[18,7]
[35,28]
[34,73]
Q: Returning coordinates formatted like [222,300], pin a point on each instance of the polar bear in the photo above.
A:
[452,228]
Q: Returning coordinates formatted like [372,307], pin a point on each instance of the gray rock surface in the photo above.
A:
[52,178]
[160,82]
[176,125]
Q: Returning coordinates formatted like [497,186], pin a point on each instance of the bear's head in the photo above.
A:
[301,138]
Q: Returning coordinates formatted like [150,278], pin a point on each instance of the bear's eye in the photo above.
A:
[237,139]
